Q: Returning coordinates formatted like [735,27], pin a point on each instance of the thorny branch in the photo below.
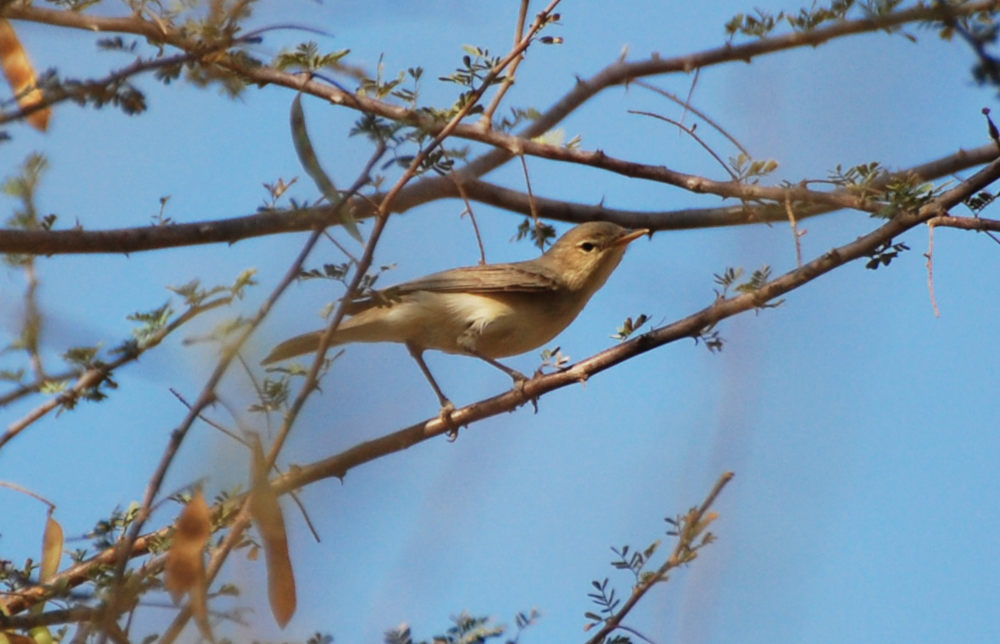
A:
[505,145]
[403,196]
[338,465]
[144,238]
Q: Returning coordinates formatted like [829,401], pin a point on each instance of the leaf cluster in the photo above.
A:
[980,201]
[517,116]
[23,187]
[477,63]
[403,139]
[761,23]
[691,532]
[883,194]
[306,57]
[730,280]
[107,532]
[630,326]
[859,180]
[466,629]
[540,233]
[884,254]
[750,170]
[381,87]
[196,296]
[116,91]
[553,359]
[906,194]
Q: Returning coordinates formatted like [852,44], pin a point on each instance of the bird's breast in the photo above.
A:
[508,324]
[494,325]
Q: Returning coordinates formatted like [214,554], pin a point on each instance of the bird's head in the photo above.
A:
[587,255]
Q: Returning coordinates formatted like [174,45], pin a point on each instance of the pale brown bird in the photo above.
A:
[489,311]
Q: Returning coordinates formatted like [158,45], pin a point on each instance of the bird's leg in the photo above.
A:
[446,405]
[518,377]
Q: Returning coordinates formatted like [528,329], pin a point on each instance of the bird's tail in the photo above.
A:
[300,344]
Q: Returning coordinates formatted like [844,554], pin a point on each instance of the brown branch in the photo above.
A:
[688,327]
[145,238]
[58,95]
[691,326]
[507,145]
[310,382]
[486,120]
[966,223]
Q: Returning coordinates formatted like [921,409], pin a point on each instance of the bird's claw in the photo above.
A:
[447,407]
[520,380]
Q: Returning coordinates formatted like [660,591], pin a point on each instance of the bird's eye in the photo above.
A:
[587,246]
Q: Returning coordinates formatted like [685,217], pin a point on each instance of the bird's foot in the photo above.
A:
[520,380]
[447,407]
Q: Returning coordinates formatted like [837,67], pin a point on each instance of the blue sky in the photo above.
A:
[861,428]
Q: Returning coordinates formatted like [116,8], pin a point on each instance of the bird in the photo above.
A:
[488,311]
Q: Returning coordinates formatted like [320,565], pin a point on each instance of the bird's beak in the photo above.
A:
[630,236]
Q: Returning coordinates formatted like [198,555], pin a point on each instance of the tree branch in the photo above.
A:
[145,238]
[691,326]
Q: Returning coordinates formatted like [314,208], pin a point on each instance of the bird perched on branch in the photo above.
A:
[488,311]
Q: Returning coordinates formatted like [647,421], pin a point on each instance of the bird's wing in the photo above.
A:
[485,278]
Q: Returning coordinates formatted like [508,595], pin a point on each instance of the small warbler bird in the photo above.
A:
[488,311]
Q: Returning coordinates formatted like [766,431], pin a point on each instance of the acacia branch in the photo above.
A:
[508,145]
[53,96]
[966,223]
[95,375]
[689,528]
[242,521]
[691,326]
[145,238]
[616,74]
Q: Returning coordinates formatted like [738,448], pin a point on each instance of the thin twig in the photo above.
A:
[930,268]
[691,133]
[688,107]
[795,232]
[24,490]
[531,194]
[486,120]
[694,83]
[242,520]
[472,216]
[691,529]
[211,423]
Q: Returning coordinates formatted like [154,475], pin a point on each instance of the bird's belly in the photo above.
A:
[506,324]
[513,323]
